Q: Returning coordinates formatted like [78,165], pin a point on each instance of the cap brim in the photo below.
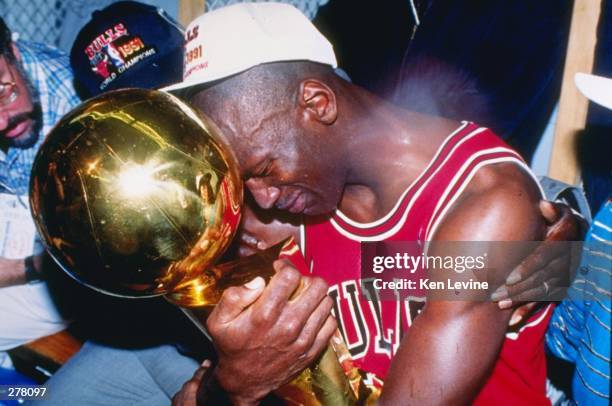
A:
[179,86]
[596,88]
[187,84]
[222,75]
[197,81]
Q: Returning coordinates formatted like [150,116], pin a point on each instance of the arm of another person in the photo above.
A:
[13,271]
[452,346]
[551,265]
[550,262]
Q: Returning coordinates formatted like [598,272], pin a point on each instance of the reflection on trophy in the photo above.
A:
[136,195]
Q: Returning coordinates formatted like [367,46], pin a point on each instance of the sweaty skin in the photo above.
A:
[308,142]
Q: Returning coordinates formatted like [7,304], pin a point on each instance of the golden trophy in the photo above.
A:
[135,194]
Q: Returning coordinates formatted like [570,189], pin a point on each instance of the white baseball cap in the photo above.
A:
[233,39]
[596,88]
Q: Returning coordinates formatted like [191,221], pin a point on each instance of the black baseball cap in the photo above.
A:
[128,44]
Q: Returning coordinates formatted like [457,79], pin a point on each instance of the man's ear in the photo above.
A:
[318,101]
[16,51]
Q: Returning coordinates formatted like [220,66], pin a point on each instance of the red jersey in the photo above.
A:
[373,328]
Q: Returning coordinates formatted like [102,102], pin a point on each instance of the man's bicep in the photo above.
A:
[447,355]
[452,346]
[500,204]
[496,222]
[498,217]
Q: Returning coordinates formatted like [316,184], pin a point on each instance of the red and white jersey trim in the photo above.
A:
[446,202]
[424,174]
[389,225]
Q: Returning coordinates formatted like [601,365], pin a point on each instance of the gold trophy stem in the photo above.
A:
[207,288]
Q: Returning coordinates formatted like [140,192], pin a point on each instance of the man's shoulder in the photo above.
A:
[43,62]
[501,198]
[49,71]
[502,178]
[35,52]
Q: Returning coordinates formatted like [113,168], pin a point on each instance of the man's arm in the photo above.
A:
[451,348]
[551,262]
[13,271]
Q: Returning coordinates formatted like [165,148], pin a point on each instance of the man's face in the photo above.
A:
[284,167]
[19,118]
[261,229]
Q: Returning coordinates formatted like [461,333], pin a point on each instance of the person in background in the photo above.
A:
[36,90]
[498,62]
[580,327]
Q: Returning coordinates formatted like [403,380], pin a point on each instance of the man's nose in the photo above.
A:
[264,195]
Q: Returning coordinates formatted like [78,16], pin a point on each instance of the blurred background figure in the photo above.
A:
[579,331]
[36,89]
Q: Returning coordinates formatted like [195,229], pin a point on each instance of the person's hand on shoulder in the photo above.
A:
[547,272]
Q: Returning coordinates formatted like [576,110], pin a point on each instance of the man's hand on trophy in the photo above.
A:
[266,335]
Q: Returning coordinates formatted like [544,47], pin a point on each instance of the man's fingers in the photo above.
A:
[187,396]
[199,373]
[521,313]
[235,300]
[322,339]
[535,284]
[275,297]
[544,253]
[557,274]
[190,389]
[565,227]
[557,294]
[313,325]
[549,211]
[177,399]
[536,294]
[281,264]
[320,342]
[309,298]
[510,291]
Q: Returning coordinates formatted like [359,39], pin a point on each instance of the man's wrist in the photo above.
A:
[30,270]
[210,391]
[12,272]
